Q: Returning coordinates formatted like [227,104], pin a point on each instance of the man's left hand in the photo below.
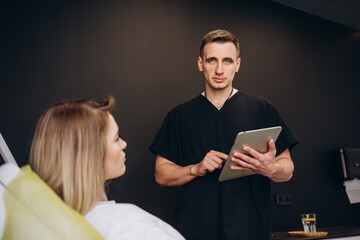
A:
[260,163]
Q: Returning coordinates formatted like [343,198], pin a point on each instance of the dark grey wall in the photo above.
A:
[144,53]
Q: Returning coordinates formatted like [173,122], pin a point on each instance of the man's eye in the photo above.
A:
[228,61]
[211,60]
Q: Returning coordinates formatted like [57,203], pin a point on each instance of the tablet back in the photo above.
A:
[256,139]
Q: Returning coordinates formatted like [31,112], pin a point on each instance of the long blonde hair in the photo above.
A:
[68,150]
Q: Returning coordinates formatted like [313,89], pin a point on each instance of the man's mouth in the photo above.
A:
[218,79]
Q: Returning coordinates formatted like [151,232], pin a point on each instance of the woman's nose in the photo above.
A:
[123,144]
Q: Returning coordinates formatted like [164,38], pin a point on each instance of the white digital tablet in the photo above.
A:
[256,139]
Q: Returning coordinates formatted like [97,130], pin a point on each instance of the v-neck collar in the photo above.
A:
[212,106]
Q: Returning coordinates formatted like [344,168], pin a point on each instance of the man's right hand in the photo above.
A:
[213,160]
[168,173]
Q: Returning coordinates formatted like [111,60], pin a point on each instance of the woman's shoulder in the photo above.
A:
[111,208]
[123,213]
[129,221]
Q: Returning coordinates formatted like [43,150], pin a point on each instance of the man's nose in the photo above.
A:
[219,69]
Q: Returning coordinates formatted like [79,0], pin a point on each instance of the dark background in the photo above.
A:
[144,54]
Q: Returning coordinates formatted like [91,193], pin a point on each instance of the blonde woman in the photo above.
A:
[75,149]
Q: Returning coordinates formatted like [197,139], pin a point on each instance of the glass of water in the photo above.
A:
[309,222]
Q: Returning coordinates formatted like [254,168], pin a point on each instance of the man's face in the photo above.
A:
[219,64]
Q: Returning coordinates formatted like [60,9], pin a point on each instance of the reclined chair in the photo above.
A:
[30,209]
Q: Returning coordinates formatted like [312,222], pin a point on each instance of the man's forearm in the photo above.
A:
[285,168]
[168,173]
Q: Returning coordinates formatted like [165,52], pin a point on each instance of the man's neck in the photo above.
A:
[218,97]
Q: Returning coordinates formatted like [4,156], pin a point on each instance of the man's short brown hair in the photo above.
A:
[219,35]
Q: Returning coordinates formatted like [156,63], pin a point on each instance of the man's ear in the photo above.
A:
[238,61]
[199,60]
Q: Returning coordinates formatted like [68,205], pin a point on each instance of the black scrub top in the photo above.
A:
[206,208]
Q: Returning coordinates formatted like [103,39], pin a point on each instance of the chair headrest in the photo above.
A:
[8,172]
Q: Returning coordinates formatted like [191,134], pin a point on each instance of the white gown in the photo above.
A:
[127,221]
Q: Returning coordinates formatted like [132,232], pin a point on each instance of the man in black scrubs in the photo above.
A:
[195,138]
